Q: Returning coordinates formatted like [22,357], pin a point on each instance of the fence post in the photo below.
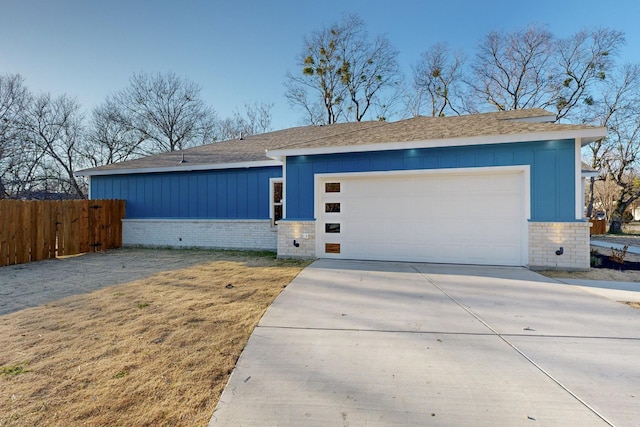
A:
[12,237]
[598,226]
[83,226]
[4,233]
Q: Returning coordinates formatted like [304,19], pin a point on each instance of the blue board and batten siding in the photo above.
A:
[552,168]
[244,193]
[210,194]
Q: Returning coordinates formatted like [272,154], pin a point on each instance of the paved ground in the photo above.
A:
[616,291]
[372,343]
[620,239]
[619,246]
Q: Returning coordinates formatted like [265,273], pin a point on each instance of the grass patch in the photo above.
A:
[176,358]
[122,374]
[17,369]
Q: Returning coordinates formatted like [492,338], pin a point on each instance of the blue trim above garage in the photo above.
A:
[212,194]
[552,166]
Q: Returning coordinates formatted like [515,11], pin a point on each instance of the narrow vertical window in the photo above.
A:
[276,208]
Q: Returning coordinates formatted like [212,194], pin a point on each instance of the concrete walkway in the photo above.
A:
[602,244]
[353,343]
[616,291]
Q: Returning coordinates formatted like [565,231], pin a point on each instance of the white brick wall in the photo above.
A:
[545,238]
[288,231]
[205,233]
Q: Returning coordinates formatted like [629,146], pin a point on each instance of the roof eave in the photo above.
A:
[587,136]
[181,168]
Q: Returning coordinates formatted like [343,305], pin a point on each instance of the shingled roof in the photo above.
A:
[266,149]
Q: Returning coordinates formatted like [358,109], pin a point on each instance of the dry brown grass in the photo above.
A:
[605,274]
[153,352]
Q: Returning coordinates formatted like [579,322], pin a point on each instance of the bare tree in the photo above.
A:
[14,97]
[258,118]
[314,110]
[605,196]
[437,78]
[54,129]
[318,87]
[597,151]
[368,68]
[255,120]
[603,111]
[583,61]
[343,73]
[530,68]
[619,111]
[111,138]
[166,111]
[511,70]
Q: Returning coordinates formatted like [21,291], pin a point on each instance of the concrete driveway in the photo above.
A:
[353,343]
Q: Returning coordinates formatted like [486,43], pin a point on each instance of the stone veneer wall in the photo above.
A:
[288,231]
[545,238]
[202,233]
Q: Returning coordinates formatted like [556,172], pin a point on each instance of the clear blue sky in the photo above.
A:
[240,50]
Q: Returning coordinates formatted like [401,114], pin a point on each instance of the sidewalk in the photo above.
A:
[616,291]
[602,244]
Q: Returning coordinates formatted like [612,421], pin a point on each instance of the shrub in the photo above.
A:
[595,260]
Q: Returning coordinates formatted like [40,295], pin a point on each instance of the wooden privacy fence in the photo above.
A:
[598,226]
[37,230]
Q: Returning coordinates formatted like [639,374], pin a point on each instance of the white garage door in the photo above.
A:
[466,217]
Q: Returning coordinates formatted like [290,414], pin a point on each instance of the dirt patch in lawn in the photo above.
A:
[150,352]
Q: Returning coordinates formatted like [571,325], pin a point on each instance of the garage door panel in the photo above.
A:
[446,253]
[502,207]
[369,231]
[474,218]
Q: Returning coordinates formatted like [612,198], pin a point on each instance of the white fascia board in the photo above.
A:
[240,165]
[284,189]
[586,135]
[579,191]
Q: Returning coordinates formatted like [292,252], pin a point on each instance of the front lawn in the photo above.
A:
[152,352]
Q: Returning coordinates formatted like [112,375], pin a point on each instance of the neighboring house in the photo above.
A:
[499,188]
